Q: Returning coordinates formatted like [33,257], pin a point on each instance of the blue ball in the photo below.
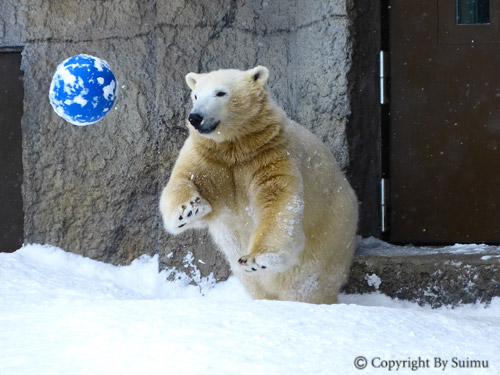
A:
[83,89]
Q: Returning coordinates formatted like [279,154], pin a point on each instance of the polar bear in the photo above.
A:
[270,193]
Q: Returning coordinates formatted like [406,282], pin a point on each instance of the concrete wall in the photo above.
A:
[94,190]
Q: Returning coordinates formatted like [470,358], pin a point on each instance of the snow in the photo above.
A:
[373,280]
[61,313]
[374,246]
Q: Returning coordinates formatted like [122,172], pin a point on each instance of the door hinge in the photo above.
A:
[383,74]
[383,205]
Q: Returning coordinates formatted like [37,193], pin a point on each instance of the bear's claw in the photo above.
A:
[251,266]
[270,261]
[194,210]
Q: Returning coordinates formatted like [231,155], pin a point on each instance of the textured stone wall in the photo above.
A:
[447,279]
[94,190]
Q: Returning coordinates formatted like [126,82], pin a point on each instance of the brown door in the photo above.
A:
[11,167]
[444,121]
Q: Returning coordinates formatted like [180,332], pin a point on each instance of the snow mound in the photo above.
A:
[374,246]
[61,313]
[45,273]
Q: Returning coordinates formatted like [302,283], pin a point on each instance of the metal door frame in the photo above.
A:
[15,49]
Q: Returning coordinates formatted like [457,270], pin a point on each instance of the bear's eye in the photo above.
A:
[195,97]
[220,93]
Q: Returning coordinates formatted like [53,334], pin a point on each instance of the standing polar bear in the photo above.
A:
[270,193]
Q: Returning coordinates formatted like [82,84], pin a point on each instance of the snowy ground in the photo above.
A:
[64,314]
[374,246]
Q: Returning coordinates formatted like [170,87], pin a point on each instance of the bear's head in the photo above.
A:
[227,103]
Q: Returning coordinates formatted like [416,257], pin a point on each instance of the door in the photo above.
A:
[11,167]
[444,121]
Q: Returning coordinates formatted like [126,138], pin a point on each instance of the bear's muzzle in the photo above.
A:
[203,125]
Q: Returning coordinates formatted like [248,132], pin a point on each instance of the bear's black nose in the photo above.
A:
[195,119]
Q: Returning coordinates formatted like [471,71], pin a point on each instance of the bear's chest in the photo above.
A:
[232,229]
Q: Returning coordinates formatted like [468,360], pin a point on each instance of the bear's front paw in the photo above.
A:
[187,213]
[262,262]
[191,211]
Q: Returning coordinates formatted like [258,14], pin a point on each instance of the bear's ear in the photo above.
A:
[259,74]
[191,79]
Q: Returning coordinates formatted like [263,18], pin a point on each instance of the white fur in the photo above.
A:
[304,251]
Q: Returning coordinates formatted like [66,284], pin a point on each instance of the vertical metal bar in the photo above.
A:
[383,73]
[383,205]
[383,76]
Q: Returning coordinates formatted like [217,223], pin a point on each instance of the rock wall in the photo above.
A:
[446,279]
[94,190]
